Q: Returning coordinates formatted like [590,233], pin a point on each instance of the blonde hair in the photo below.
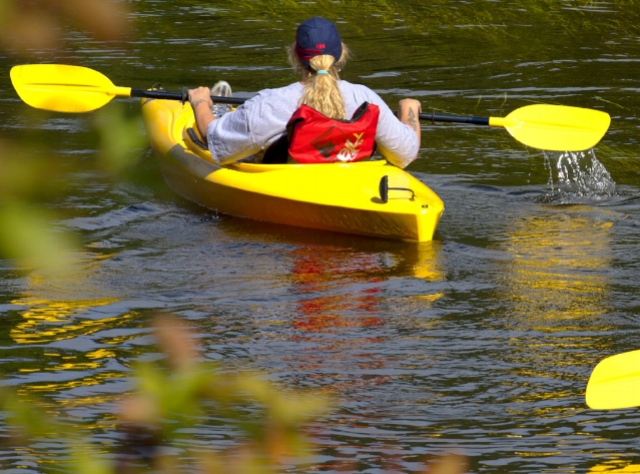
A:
[322,91]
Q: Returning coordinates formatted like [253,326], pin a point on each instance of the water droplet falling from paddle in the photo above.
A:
[574,176]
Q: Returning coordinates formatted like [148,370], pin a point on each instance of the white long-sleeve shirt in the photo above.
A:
[262,119]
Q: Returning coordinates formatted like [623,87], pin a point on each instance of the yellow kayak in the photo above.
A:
[371,198]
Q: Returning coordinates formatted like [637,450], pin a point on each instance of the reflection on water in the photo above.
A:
[73,330]
[59,306]
[337,291]
[555,269]
[615,468]
[343,288]
[345,306]
[318,309]
[47,321]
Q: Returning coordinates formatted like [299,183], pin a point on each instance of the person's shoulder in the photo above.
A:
[352,85]
[358,88]
[360,93]
[284,91]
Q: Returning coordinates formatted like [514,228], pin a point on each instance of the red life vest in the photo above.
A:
[316,138]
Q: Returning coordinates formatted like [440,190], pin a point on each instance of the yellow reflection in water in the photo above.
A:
[57,304]
[558,267]
[613,469]
[87,381]
[100,354]
[63,307]
[49,320]
[425,261]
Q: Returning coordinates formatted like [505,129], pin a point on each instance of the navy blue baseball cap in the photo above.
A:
[317,36]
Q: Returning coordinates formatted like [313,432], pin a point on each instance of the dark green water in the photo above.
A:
[480,342]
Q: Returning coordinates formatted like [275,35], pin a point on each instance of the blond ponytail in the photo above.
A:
[322,91]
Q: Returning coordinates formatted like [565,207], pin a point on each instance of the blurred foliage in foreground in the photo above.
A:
[29,26]
[26,175]
[159,420]
[171,398]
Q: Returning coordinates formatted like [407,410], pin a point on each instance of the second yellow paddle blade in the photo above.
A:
[615,382]
[556,127]
[63,88]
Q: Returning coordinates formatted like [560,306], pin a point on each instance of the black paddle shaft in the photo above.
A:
[433,117]
[454,118]
[182,96]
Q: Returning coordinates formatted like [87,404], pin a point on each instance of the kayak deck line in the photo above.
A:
[369,198]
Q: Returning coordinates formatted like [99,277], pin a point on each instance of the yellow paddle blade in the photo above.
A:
[63,88]
[555,127]
[615,382]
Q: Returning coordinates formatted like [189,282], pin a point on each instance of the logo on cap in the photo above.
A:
[317,36]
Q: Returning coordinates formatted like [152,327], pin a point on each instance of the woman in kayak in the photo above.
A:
[259,126]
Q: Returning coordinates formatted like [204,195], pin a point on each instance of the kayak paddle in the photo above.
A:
[63,88]
[548,127]
[615,382]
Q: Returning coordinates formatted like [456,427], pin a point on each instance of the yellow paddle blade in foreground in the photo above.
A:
[615,382]
[555,127]
[63,88]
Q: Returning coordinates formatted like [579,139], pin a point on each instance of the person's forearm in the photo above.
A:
[200,100]
[408,113]
[203,116]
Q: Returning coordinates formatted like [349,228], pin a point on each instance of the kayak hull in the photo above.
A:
[338,197]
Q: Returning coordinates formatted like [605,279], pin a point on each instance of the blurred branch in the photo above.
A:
[27,27]
[183,390]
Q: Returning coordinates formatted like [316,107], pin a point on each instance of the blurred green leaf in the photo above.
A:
[26,234]
[121,137]
[23,415]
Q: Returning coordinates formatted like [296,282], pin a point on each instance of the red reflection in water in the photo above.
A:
[326,275]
